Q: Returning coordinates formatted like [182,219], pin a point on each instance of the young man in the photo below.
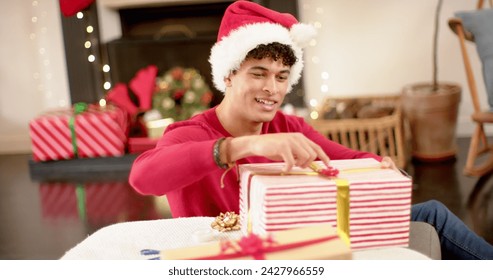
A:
[256,61]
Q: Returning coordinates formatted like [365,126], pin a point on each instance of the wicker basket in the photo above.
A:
[383,136]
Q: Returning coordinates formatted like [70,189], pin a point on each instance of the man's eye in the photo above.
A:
[282,78]
[258,75]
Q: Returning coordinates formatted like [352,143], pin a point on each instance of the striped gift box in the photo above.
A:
[99,132]
[379,204]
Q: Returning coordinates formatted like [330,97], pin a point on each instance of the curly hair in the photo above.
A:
[275,51]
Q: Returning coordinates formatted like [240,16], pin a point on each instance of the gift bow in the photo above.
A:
[142,84]
[256,247]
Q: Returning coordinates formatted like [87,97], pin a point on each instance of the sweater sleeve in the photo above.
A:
[333,149]
[182,157]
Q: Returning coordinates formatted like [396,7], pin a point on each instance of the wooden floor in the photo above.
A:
[42,220]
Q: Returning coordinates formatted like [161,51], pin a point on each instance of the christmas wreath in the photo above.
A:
[181,93]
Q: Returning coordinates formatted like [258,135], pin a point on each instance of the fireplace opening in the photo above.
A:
[167,36]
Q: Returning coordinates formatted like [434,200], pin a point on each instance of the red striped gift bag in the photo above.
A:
[379,201]
[95,131]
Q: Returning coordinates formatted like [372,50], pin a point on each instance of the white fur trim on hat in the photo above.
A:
[228,54]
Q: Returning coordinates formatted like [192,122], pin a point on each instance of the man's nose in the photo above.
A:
[271,86]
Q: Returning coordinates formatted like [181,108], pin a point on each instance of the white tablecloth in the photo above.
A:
[124,241]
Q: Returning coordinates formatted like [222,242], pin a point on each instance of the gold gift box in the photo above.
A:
[320,242]
[155,128]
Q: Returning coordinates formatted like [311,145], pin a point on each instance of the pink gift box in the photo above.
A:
[99,132]
[379,201]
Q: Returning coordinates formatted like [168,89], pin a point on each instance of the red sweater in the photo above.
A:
[182,165]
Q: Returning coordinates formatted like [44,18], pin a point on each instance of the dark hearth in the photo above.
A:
[166,36]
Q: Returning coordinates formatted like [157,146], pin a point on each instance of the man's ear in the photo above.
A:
[227,80]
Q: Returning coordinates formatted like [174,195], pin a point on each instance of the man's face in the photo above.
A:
[257,89]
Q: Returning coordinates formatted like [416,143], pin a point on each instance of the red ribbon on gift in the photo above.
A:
[256,247]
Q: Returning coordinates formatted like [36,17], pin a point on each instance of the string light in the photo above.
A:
[324,75]
[93,53]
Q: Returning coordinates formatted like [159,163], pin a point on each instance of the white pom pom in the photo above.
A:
[302,33]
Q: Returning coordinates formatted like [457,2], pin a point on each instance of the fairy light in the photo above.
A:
[318,87]
[324,75]
[43,74]
[314,115]
[93,55]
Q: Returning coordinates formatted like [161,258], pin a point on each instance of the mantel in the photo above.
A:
[125,4]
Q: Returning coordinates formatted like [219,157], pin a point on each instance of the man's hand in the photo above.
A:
[292,148]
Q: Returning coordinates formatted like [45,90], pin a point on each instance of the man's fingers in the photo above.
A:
[320,154]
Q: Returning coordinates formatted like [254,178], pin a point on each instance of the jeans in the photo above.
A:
[457,241]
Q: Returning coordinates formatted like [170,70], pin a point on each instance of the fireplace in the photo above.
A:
[165,33]
[166,36]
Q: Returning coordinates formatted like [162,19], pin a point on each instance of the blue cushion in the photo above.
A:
[480,24]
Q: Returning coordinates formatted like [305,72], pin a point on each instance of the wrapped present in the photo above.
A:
[156,128]
[376,215]
[319,242]
[85,131]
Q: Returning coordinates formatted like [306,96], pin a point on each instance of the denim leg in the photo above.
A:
[456,239]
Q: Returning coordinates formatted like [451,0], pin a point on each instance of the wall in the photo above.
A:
[379,46]
[366,47]
[32,73]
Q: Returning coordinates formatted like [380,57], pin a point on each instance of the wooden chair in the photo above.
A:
[480,156]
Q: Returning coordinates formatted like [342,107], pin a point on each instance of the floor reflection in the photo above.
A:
[94,203]
[480,207]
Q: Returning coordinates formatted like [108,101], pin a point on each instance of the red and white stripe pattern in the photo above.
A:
[100,132]
[380,202]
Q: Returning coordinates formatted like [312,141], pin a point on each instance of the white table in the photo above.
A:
[124,241]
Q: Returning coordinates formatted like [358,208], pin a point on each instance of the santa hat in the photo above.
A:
[244,26]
